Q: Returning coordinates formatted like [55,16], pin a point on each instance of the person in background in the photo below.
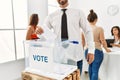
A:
[99,40]
[115,31]
[74,20]
[31,32]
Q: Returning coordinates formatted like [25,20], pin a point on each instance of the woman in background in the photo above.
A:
[99,40]
[31,32]
[115,31]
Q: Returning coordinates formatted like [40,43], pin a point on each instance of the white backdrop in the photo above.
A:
[101,7]
[40,7]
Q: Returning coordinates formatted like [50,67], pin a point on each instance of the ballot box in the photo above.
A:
[48,59]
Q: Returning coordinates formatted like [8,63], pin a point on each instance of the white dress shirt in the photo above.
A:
[75,20]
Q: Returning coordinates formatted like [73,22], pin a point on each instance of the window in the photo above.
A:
[6,21]
[13,18]
[20,36]
[20,14]
[7,50]
[21,23]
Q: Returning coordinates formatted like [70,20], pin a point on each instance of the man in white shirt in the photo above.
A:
[75,20]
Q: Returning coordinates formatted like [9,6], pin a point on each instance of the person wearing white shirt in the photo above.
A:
[115,31]
[75,21]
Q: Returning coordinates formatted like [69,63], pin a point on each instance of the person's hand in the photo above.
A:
[116,45]
[39,30]
[90,58]
[112,44]
[108,50]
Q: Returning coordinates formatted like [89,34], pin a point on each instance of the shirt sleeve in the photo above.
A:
[88,33]
[47,22]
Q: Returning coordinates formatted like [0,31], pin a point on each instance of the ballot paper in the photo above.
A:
[48,34]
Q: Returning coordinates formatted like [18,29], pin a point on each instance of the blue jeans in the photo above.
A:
[95,65]
[79,65]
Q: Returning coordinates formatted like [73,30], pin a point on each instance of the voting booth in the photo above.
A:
[49,58]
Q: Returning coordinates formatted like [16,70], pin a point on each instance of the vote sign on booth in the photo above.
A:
[41,57]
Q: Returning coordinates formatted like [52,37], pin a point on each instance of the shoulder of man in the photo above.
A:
[73,9]
[54,13]
[76,11]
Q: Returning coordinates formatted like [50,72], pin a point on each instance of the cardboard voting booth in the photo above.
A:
[48,59]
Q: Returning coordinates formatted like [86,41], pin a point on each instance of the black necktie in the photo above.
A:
[64,32]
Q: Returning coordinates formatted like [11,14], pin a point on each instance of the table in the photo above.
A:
[110,68]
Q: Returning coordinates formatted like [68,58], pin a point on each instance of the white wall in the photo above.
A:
[101,8]
[40,7]
[12,70]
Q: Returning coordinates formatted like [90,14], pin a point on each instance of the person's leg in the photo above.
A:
[94,67]
[90,65]
[79,65]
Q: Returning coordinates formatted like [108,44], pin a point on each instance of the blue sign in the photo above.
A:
[40,58]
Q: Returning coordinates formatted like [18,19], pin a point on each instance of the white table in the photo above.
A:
[110,68]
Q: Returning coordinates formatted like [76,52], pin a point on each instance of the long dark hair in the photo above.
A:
[33,19]
[92,16]
[118,28]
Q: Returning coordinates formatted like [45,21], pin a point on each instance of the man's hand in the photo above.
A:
[39,30]
[90,58]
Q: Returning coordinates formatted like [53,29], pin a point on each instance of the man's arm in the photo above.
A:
[83,40]
[88,36]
